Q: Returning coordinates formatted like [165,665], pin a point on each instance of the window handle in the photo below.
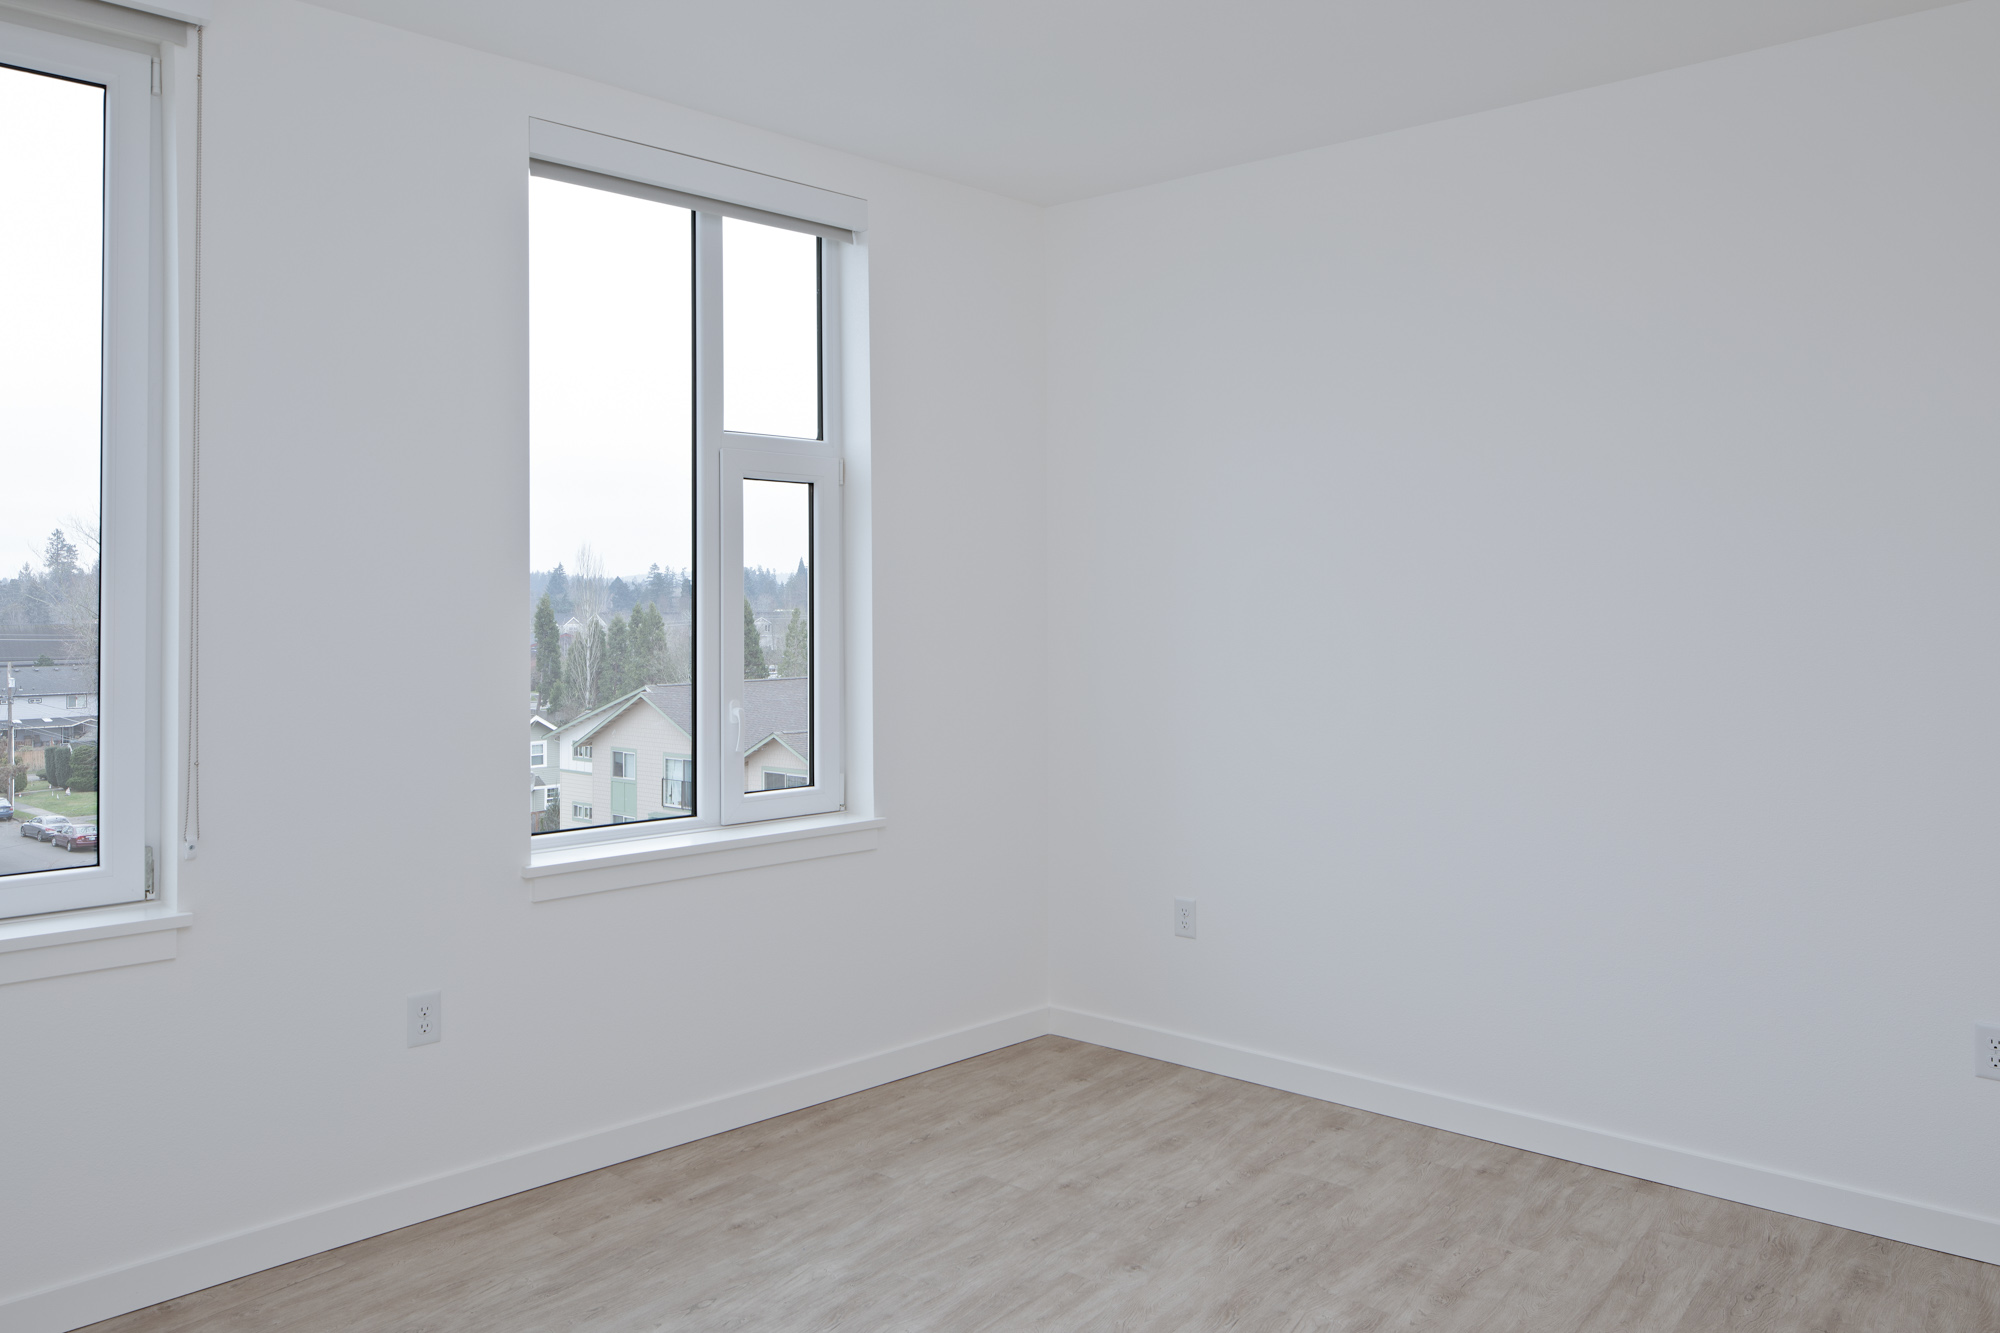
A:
[736,725]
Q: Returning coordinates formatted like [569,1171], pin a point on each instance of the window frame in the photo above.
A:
[538,754]
[133,377]
[723,461]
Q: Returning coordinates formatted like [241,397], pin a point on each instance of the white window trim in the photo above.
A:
[35,947]
[134,375]
[639,862]
[538,754]
[572,862]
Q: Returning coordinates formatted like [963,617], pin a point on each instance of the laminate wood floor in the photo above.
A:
[1057,1185]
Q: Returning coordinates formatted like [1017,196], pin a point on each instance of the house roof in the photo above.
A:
[585,725]
[780,707]
[62,678]
[25,643]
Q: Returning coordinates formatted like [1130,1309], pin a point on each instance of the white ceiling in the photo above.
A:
[1052,100]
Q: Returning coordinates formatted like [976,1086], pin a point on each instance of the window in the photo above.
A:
[579,751]
[677,787]
[79,353]
[579,811]
[549,797]
[538,754]
[685,481]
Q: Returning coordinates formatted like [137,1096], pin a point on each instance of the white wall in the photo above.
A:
[365,515]
[1635,449]
[1638,453]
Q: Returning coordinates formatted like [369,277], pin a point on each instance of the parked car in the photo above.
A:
[44,827]
[76,837]
[6,809]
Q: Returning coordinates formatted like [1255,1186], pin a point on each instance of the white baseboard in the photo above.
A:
[100,1296]
[1932,1227]
[74,1304]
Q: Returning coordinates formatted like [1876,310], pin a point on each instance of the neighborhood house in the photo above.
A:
[633,758]
[49,705]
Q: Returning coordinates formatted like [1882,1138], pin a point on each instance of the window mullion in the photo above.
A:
[712,641]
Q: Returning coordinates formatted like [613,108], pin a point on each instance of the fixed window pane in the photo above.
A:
[777,633]
[770,330]
[52,239]
[611,531]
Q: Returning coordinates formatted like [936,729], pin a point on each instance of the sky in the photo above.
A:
[611,377]
[611,382]
[51,290]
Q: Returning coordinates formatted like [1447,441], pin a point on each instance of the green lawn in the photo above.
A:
[78,805]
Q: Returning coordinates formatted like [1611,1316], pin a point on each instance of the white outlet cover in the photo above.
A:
[1184,918]
[426,1018]
[1986,1051]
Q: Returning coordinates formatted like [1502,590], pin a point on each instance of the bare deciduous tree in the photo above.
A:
[588,595]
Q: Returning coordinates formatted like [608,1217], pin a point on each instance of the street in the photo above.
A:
[18,853]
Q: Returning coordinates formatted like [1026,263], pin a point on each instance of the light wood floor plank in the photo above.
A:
[1057,1185]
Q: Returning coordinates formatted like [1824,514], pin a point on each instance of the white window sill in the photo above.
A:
[34,947]
[632,863]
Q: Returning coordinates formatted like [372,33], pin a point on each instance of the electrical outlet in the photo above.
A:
[426,1019]
[1184,918]
[1986,1051]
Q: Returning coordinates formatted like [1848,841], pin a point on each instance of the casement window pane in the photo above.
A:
[777,632]
[611,577]
[52,240]
[770,330]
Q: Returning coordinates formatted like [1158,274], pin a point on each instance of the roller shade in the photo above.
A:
[638,190]
[143,19]
[583,157]
[187,11]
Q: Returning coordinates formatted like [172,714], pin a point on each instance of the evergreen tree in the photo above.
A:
[798,648]
[761,586]
[649,645]
[620,668]
[658,587]
[60,557]
[56,765]
[558,592]
[548,652]
[754,666]
[83,768]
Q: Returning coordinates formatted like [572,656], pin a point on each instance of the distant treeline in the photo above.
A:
[669,589]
